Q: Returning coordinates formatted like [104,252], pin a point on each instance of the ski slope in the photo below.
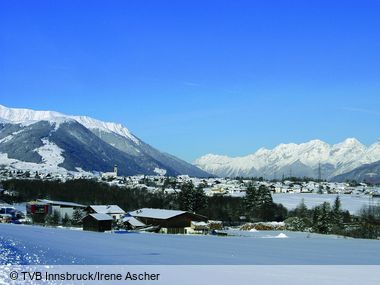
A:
[25,245]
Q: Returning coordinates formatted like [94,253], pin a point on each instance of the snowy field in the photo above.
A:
[25,245]
[351,203]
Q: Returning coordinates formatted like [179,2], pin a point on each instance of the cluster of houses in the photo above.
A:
[238,187]
[212,186]
[6,174]
[101,218]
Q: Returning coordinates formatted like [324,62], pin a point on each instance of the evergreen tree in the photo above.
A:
[301,210]
[186,197]
[251,201]
[199,199]
[78,215]
[66,221]
[56,217]
[53,219]
[337,216]
[337,205]
[190,199]
[259,203]
[265,204]
[321,219]
[264,196]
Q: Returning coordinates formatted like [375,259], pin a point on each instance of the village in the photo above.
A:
[233,187]
[104,218]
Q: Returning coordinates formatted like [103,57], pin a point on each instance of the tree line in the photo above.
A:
[256,206]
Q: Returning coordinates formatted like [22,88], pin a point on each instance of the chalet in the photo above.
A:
[131,223]
[97,223]
[170,221]
[112,210]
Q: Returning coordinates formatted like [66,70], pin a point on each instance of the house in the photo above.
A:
[114,211]
[197,228]
[170,221]
[131,223]
[97,223]
[40,208]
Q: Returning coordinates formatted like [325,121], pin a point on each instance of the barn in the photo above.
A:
[97,223]
[40,208]
[112,210]
[170,221]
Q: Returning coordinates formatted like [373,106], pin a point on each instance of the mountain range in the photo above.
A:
[52,142]
[349,159]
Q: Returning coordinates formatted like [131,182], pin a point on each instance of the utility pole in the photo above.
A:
[319,178]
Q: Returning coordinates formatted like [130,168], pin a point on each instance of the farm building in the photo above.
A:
[170,221]
[97,223]
[131,223]
[41,208]
[112,210]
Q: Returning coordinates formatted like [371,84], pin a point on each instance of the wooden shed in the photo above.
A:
[171,221]
[97,223]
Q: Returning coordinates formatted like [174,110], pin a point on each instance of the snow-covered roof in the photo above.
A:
[107,209]
[199,224]
[156,213]
[133,221]
[101,217]
[61,203]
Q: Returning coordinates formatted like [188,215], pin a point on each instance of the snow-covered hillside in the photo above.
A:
[35,245]
[294,159]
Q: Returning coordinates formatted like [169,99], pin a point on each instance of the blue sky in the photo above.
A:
[194,77]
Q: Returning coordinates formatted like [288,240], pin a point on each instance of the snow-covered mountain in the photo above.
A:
[367,173]
[47,141]
[27,117]
[295,159]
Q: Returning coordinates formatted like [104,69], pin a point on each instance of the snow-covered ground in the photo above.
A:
[351,203]
[51,154]
[38,245]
